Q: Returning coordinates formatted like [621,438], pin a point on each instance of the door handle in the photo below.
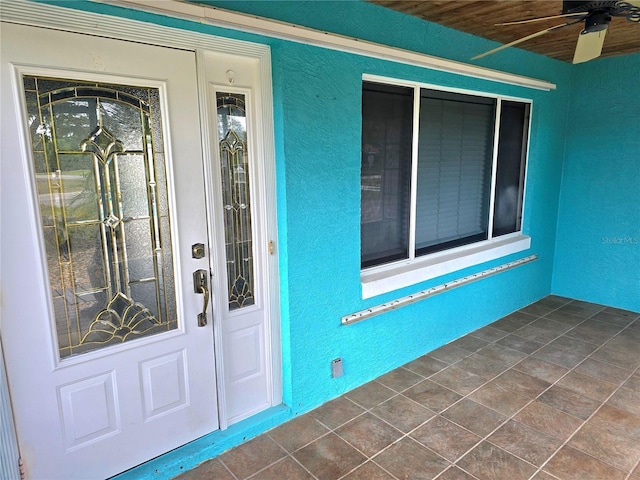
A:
[200,285]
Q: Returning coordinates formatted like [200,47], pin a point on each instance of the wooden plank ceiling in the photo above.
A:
[479,17]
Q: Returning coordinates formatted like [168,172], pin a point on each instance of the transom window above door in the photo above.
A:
[442,172]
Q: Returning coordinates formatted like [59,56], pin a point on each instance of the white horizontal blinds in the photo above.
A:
[387,120]
[454,170]
[512,150]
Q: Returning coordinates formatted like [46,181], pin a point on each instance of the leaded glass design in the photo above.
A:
[232,132]
[101,185]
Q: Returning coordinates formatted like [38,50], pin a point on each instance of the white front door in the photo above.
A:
[103,197]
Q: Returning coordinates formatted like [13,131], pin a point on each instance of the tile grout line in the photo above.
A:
[368,460]
[451,467]
[572,369]
[566,442]
[602,404]
[635,467]
[486,438]
[400,391]
[482,439]
[508,367]
[403,434]
[228,470]
[303,467]
[288,454]
[334,431]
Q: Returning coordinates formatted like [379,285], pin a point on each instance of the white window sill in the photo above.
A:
[386,278]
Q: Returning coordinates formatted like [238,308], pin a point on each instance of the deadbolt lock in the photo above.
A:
[197,250]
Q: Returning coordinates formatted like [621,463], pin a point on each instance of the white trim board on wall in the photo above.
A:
[296,33]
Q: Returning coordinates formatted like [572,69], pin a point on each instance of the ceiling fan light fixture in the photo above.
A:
[595,15]
[596,21]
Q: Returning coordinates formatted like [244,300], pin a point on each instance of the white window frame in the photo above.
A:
[391,276]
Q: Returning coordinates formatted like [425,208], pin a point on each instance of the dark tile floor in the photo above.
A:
[549,392]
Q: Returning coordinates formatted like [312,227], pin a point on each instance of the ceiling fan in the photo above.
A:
[595,15]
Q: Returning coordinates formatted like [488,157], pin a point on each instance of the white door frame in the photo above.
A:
[59,18]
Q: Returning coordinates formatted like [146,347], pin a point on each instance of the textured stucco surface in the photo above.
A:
[317,109]
[598,241]
[321,119]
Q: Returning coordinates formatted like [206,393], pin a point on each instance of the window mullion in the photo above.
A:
[414,172]
[494,167]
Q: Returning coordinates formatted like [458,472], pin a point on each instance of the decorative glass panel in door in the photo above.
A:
[232,132]
[100,176]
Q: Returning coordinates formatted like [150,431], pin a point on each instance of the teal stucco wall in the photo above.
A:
[599,218]
[318,98]
[317,109]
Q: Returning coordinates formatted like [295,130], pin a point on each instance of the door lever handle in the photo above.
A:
[200,286]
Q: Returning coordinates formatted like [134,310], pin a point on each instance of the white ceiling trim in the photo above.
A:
[296,33]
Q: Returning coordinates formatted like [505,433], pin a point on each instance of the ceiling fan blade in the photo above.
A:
[540,19]
[589,46]
[523,39]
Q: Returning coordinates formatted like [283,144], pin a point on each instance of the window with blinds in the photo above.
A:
[386,172]
[467,170]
